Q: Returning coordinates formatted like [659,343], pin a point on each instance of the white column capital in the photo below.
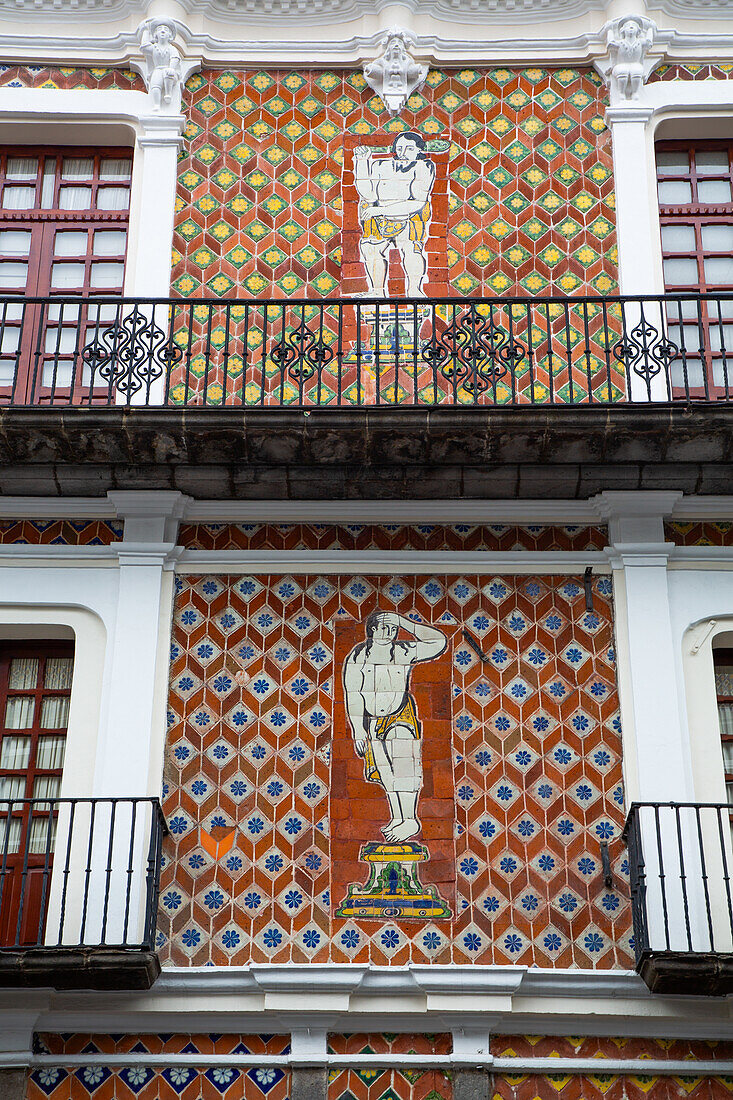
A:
[629,113]
[151,517]
[162,130]
[636,518]
[471,1042]
[309,1046]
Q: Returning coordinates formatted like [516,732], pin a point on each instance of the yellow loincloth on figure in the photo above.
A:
[406,716]
[384,228]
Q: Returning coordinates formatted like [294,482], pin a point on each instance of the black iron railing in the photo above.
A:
[79,872]
[418,352]
[680,867]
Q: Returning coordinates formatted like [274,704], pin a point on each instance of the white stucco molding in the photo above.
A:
[250,33]
[635,48]
[394,74]
[112,117]
[163,68]
[679,108]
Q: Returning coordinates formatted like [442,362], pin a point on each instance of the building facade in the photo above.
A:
[366,545]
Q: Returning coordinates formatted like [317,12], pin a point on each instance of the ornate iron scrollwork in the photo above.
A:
[301,353]
[646,350]
[131,353]
[473,351]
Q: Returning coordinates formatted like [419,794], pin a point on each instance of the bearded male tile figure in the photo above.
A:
[394,210]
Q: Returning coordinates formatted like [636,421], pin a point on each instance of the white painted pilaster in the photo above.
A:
[131,738]
[640,269]
[656,754]
[154,193]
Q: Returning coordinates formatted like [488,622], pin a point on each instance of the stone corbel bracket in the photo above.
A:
[634,49]
[394,75]
[163,66]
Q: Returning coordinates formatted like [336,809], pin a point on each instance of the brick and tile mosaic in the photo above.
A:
[703,533]
[150,1083]
[60,532]
[692,71]
[266,208]
[46,76]
[612,1086]
[526,1086]
[591,1046]
[536,781]
[394,536]
[389,1084]
[259,209]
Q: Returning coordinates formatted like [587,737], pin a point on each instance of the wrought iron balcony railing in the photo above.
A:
[79,873]
[65,351]
[680,867]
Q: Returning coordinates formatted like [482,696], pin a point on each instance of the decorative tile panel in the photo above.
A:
[47,76]
[704,533]
[615,1086]
[535,782]
[393,536]
[591,1046]
[389,1084]
[183,1082]
[60,532]
[530,208]
[692,71]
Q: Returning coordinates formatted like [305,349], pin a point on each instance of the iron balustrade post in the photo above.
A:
[662,883]
[632,833]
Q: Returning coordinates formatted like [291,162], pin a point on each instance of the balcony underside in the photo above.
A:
[697,973]
[78,968]
[367,453]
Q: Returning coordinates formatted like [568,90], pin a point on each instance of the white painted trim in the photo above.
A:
[571,1066]
[563,513]
[677,103]
[112,117]
[53,607]
[408,562]
[701,702]
[293,997]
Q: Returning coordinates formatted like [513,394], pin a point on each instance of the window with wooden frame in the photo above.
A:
[63,233]
[695,191]
[35,694]
[723,661]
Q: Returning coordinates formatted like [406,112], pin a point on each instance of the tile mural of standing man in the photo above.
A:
[394,210]
[383,714]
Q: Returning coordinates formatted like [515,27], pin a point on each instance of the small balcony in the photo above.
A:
[313,400]
[680,863]
[79,892]
[78,352]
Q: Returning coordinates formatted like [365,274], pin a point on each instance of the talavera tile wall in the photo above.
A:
[259,210]
[261,775]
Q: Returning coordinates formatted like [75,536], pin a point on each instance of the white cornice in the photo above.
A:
[277,33]
[500,999]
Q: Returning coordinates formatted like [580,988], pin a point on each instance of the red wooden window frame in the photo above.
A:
[43,222]
[707,334]
[25,874]
[725,657]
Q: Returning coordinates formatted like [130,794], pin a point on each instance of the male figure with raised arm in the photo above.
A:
[383,713]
